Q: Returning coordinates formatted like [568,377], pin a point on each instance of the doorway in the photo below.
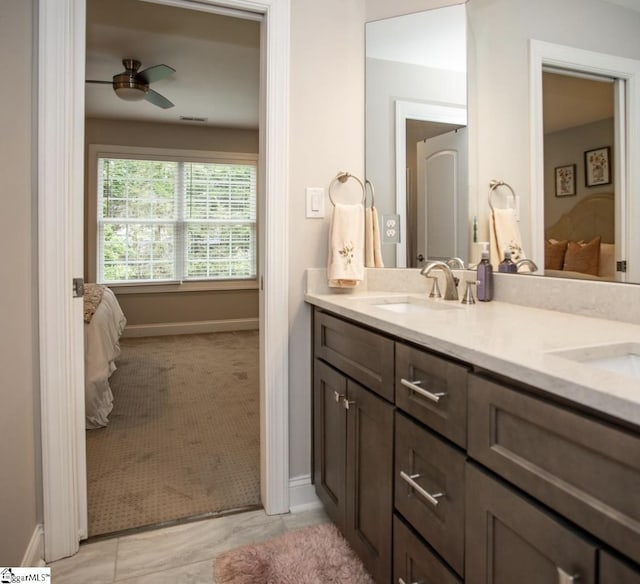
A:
[60,148]
[436,192]
[625,74]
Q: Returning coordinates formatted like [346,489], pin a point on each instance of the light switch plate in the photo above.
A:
[390,229]
[315,202]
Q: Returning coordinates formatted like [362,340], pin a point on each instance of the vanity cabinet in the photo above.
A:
[511,539]
[459,475]
[584,469]
[353,454]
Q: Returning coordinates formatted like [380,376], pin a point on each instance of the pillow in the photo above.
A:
[607,264]
[554,254]
[583,258]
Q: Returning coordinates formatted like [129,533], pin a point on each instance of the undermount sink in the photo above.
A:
[620,358]
[409,304]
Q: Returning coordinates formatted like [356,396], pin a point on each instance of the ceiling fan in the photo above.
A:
[133,85]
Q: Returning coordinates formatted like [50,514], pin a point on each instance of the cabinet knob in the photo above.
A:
[564,578]
[347,404]
[338,396]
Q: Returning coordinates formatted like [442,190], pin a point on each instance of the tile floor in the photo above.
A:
[181,553]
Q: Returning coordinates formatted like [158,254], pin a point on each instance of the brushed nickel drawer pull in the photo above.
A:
[347,404]
[413,386]
[338,396]
[410,480]
[564,578]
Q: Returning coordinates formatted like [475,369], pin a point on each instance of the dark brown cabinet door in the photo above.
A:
[329,440]
[615,571]
[369,479]
[509,539]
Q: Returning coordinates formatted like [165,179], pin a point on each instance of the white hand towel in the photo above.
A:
[369,260]
[377,251]
[505,236]
[346,246]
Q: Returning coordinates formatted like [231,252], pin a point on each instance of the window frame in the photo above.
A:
[96,151]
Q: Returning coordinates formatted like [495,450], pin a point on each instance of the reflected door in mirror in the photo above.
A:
[442,201]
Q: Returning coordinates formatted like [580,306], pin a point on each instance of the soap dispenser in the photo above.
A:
[485,275]
[507,265]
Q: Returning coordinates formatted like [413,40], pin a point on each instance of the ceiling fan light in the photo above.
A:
[130,93]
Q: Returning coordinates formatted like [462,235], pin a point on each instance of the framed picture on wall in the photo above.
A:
[597,170]
[566,180]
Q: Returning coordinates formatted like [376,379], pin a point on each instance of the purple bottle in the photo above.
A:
[485,276]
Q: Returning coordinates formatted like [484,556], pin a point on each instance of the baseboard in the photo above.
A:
[302,494]
[34,554]
[190,328]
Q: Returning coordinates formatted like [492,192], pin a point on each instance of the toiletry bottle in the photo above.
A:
[485,275]
[507,266]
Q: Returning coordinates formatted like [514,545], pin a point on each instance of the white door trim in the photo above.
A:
[61,65]
[428,112]
[627,188]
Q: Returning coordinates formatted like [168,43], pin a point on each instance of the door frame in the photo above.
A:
[426,112]
[60,152]
[626,148]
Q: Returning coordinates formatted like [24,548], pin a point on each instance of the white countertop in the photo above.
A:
[511,340]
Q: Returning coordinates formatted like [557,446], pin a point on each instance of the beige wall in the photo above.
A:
[169,307]
[568,147]
[327,135]
[377,9]
[19,448]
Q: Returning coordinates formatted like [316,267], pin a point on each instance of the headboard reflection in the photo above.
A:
[592,216]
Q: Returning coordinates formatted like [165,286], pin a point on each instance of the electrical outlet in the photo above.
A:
[390,229]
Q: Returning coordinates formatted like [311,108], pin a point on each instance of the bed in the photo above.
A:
[581,244]
[104,322]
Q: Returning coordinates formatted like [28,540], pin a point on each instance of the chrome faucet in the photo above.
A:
[455,263]
[526,262]
[451,290]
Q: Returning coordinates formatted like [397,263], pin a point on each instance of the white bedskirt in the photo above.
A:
[101,348]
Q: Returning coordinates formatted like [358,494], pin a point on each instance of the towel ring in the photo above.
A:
[493,185]
[373,193]
[343,177]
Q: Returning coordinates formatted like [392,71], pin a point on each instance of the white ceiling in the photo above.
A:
[216,58]
[572,101]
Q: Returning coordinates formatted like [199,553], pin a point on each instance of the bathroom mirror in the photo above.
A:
[596,43]
[416,136]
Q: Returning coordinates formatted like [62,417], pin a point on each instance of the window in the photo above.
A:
[163,220]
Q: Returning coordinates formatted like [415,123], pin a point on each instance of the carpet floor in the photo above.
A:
[183,437]
[315,555]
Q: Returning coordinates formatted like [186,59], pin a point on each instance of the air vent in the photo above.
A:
[192,119]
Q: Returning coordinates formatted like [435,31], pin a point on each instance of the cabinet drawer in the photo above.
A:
[439,399]
[614,571]
[413,561]
[509,539]
[429,489]
[586,470]
[363,355]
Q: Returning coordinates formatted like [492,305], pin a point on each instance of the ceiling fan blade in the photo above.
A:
[156,99]
[156,73]
[98,81]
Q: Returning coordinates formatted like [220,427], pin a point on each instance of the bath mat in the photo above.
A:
[315,555]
